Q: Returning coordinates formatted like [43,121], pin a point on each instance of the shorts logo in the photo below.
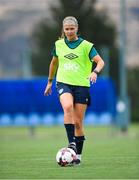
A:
[86,99]
[71,56]
[61,90]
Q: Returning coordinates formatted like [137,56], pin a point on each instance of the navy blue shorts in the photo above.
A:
[80,93]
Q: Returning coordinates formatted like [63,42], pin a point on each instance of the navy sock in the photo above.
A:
[70,132]
[79,143]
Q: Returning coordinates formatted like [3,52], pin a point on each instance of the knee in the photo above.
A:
[68,108]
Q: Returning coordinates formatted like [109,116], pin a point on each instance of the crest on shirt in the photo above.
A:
[71,56]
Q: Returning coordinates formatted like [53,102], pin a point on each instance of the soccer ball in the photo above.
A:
[65,156]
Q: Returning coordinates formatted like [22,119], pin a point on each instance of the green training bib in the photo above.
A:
[74,64]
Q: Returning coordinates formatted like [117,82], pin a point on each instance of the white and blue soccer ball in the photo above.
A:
[65,156]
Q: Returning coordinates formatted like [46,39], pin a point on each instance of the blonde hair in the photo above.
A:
[69,20]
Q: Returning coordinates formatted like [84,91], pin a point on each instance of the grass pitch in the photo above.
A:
[107,154]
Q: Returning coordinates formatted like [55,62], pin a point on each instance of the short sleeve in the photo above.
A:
[93,53]
[53,52]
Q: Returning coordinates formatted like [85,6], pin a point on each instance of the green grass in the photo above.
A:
[107,154]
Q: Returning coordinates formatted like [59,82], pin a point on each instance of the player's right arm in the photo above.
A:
[52,72]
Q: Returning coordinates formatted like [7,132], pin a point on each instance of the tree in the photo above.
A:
[133,91]
[94,26]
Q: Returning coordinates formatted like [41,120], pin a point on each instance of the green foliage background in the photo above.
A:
[133,91]
[94,26]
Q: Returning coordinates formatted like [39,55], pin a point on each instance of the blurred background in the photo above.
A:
[31,125]
[28,30]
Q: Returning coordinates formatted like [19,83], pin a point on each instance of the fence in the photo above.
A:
[22,102]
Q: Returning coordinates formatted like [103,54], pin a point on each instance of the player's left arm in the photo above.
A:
[100,64]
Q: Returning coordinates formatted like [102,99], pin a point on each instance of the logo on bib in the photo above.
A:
[71,67]
[71,56]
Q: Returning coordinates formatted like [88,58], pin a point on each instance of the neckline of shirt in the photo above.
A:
[75,43]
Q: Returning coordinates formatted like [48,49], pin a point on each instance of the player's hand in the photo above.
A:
[93,77]
[48,89]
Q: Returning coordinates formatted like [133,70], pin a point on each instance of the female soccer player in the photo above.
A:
[72,63]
